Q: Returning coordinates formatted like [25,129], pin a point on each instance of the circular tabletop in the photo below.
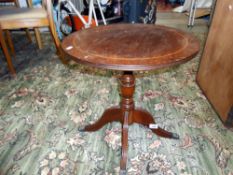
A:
[130,47]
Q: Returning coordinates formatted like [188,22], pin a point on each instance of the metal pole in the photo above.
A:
[77,13]
[101,12]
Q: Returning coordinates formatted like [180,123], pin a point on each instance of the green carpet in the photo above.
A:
[42,109]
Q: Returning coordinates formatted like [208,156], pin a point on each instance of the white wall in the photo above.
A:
[23,3]
[200,4]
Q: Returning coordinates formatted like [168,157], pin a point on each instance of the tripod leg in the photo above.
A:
[110,115]
[124,142]
[143,117]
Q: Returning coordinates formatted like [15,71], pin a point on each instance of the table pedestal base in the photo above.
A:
[127,114]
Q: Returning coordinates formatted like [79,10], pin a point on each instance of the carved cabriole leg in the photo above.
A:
[127,85]
[110,115]
[146,119]
[124,143]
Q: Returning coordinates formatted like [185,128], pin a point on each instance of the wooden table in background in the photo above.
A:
[129,48]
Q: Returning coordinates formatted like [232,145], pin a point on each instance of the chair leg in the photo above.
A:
[16,3]
[10,43]
[38,38]
[57,44]
[28,35]
[6,52]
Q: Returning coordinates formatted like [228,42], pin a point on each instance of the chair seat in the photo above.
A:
[22,13]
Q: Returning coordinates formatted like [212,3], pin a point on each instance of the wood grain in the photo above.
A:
[130,46]
[215,75]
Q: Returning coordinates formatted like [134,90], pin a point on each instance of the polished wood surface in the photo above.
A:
[128,48]
[215,75]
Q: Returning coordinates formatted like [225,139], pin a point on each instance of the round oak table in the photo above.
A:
[129,48]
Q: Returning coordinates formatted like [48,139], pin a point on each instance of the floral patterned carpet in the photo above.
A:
[43,107]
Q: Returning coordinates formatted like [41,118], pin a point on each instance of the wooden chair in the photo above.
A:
[15,3]
[16,18]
